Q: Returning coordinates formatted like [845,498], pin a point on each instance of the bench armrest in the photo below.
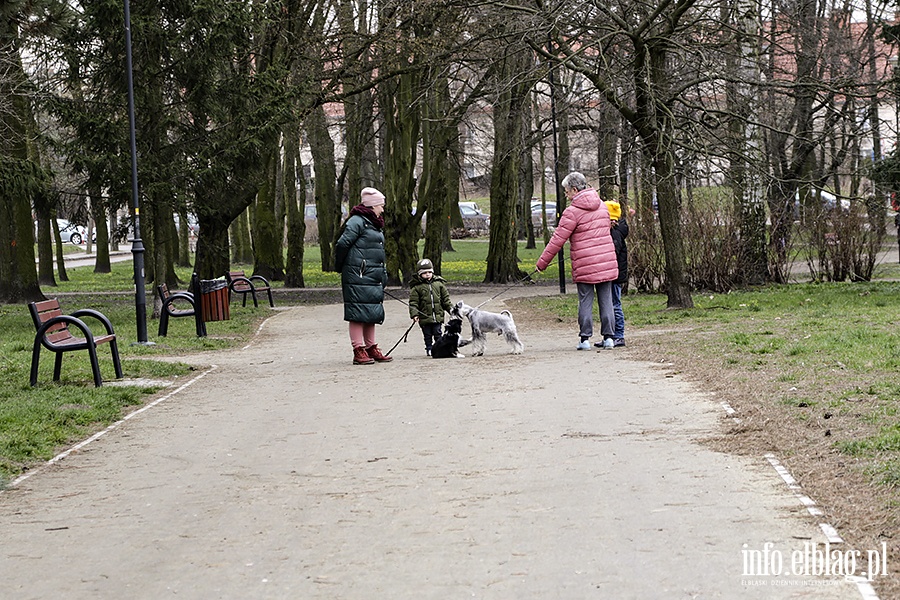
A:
[169,302]
[260,278]
[243,280]
[89,312]
[186,296]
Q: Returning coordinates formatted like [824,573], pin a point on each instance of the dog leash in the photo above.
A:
[387,293]
[402,339]
[504,290]
[413,324]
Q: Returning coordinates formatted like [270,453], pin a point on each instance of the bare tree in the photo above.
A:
[634,49]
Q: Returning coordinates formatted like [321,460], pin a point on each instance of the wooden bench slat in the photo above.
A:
[58,335]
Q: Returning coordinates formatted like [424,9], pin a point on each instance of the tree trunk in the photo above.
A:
[745,151]
[526,183]
[294,201]
[328,205]
[656,127]
[360,163]
[790,156]
[402,123]
[502,259]
[268,257]
[18,274]
[625,163]
[211,261]
[669,200]
[98,212]
[154,151]
[607,148]
[21,179]
[57,241]
[242,249]
[454,176]
[114,229]
[563,164]
[435,182]
[184,239]
[44,243]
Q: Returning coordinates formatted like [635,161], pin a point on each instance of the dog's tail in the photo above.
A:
[507,313]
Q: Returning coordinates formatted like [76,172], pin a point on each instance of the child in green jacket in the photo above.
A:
[428,300]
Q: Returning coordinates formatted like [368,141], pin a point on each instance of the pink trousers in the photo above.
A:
[362,335]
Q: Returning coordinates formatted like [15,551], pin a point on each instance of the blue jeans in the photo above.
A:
[619,313]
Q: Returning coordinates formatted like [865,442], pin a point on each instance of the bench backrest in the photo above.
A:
[238,286]
[163,291]
[41,312]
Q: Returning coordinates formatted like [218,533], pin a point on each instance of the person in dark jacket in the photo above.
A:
[619,231]
[428,301]
[359,256]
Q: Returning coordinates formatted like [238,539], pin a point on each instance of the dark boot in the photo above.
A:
[376,354]
[361,357]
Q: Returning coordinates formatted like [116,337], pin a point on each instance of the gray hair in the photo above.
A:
[575,180]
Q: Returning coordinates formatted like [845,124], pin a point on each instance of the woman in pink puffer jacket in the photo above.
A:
[585,224]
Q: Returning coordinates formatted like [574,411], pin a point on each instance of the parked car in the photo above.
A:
[536,220]
[69,232]
[474,220]
[829,202]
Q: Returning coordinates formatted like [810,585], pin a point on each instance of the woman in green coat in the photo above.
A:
[359,256]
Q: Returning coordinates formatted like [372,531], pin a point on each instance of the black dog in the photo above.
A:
[447,346]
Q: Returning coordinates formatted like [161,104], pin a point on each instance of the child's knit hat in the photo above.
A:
[615,209]
[424,266]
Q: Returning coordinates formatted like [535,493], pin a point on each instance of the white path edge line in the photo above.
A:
[862,585]
[102,432]
[830,532]
[256,334]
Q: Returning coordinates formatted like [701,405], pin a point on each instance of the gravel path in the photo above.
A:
[285,472]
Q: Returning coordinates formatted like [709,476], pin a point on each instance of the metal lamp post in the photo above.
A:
[561,259]
[137,246]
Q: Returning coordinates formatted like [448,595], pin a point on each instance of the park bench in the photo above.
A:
[238,283]
[54,335]
[179,304]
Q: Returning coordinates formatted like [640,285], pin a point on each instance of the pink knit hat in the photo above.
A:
[372,197]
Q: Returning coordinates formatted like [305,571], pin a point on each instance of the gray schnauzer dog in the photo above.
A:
[483,322]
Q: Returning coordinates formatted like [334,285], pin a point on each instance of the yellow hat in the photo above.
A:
[615,209]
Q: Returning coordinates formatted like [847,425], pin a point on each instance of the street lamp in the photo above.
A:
[137,246]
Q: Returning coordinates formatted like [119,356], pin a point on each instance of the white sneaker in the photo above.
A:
[585,345]
[608,343]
